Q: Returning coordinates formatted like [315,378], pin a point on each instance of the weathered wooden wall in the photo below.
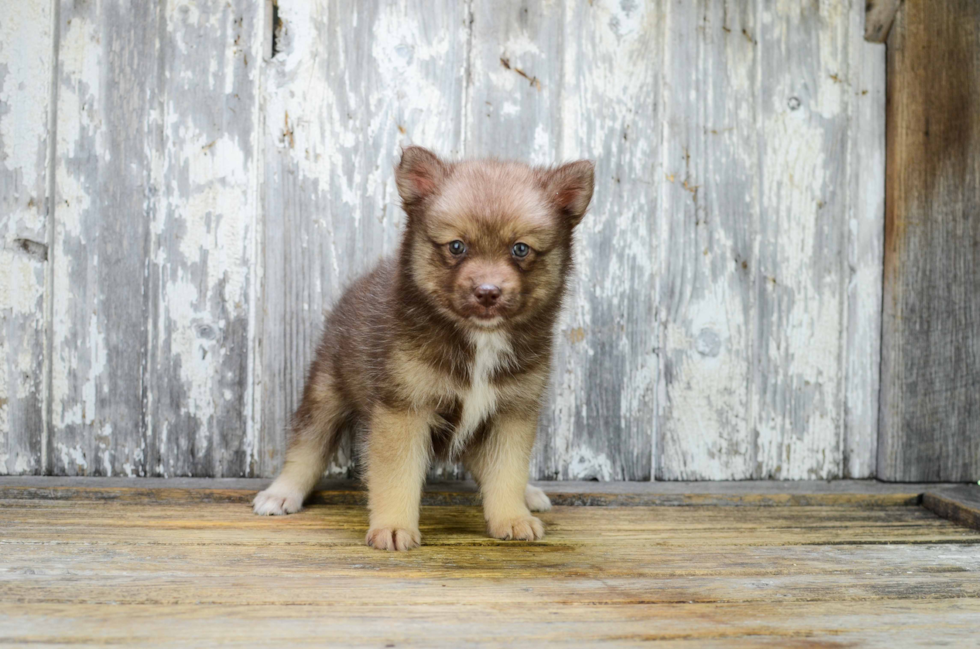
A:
[186,186]
[930,405]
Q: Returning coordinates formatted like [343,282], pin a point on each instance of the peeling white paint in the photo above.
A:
[587,465]
[727,286]
[72,458]
[25,73]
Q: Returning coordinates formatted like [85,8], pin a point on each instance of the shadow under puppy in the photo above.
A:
[445,349]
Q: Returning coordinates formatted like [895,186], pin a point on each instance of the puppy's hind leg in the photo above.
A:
[313,438]
[536,499]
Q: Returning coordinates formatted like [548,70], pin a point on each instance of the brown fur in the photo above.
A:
[418,367]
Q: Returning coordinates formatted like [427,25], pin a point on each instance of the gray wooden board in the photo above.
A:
[865,248]
[706,296]
[930,369]
[204,211]
[349,85]
[858,493]
[552,82]
[216,188]
[25,147]
[960,504]
[797,416]
[673,488]
[771,256]
[107,66]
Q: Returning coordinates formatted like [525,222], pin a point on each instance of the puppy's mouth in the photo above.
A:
[483,315]
[486,314]
[487,321]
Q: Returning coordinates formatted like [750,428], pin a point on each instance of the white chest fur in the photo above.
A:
[480,399]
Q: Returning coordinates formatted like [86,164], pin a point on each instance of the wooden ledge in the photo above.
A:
[866,493]
[960,504]
[957,502]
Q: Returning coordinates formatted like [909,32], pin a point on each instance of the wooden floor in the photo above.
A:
[196,568]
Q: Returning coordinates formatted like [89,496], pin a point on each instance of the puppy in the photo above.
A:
[445,349]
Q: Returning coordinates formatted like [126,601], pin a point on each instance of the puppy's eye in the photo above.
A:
[457,247]
[520,250]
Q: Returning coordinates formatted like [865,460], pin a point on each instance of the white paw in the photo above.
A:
[522,528]
[536,500]
[393,539]
[278,500]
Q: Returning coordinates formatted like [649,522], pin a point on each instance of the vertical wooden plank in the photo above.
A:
[930,370]
[205,206]
[26,69]
[601,421]
[803,119]
[515,79]
[768,297]
[348,84]
[513,110]
[553,82]
[707,289]
[865,245]
[107,68]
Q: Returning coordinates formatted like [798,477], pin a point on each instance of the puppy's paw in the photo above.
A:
[536,499]
[522,528]
[278,500]
[393,538]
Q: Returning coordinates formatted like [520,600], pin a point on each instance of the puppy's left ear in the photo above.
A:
[418,175]
[569,188]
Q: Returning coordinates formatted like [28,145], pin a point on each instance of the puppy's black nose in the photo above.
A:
[487,294]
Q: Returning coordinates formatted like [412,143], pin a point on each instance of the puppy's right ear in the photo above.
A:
[418,175]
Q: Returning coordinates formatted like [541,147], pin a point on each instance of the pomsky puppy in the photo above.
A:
[445,349]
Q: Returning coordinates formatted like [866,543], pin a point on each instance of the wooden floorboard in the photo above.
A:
[341,492]
[166,570]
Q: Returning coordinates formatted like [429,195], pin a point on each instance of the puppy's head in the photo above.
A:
[490,241]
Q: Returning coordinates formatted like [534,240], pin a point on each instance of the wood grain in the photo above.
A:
[930,371]
[350,84]
[865,247]
[710,220]
[622,494]
[103,207]
[720,624]
[204,200]
[222,171]
[25,173]
[151,572]
[561,81]
[879,16]
[960,504]
[768,295]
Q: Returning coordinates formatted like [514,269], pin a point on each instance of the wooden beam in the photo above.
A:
[959,504]
[863,493]
[930,361]
[878,18]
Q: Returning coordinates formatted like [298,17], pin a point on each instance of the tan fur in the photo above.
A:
[416,364]
[397,453]
[499,466]
[307,454]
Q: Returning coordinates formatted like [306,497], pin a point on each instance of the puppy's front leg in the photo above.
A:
[500,466]
[397,454]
